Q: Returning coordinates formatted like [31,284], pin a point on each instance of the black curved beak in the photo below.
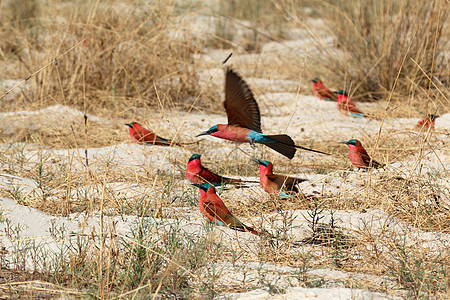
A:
[129,125]
[256,160]
[203,133]
[343,143]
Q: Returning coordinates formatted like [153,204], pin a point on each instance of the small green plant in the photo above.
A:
[283,233]
[315,215]
[16,194]
[304,257]
[42,178]
[272,285]
[418,274]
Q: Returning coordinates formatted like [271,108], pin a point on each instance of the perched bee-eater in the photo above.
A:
[359,157]
[284,186]
[321,91]
[215,210]
[197,173]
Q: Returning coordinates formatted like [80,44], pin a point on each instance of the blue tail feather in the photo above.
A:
[357,115]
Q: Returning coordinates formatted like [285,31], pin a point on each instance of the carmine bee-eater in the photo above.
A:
[198,174]
[281,185]
[144,136]
[244,120]
[215,210]
[321,91]
[359,157]
[347,107]
[428,121]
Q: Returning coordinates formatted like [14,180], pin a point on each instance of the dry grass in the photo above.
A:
[127,55]
[246,25]
[129,68]
[385,49]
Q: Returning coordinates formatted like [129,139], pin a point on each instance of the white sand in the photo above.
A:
[304,117]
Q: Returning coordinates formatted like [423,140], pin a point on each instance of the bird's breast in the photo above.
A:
[233,133]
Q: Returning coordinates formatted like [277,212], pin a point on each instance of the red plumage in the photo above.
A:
[321,91]
[142,135]
[428,121]
[198,174]
[347,107]
[359,156]
[274,183]
[214,209]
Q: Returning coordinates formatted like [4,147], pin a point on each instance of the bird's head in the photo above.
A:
[204,187]
[315,80]
[194,157]
[342,92]
[131,124]
[432,117]
[263,164]
[209,131]
[353,143]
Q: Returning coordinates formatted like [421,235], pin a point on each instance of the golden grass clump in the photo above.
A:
[130,53]
[382,46]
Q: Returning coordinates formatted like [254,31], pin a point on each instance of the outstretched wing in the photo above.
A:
[240,104]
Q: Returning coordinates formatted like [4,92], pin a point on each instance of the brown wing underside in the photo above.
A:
[240,104]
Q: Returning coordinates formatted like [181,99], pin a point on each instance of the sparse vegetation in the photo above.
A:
[128,54]
[125,225]
[383,49]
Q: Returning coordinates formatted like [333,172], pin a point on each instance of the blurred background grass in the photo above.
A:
[138,52]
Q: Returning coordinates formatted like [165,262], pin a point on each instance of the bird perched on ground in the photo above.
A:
[282,185]
[215,210]
[144,136]
[197,173]
[347,107]
[244,120]
[321,91]
[428,121]
[359,157]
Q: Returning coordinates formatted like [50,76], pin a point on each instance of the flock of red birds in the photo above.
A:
[346,106]
[244,125]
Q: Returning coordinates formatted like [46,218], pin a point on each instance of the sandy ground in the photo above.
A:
[304,117]
[319,120]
